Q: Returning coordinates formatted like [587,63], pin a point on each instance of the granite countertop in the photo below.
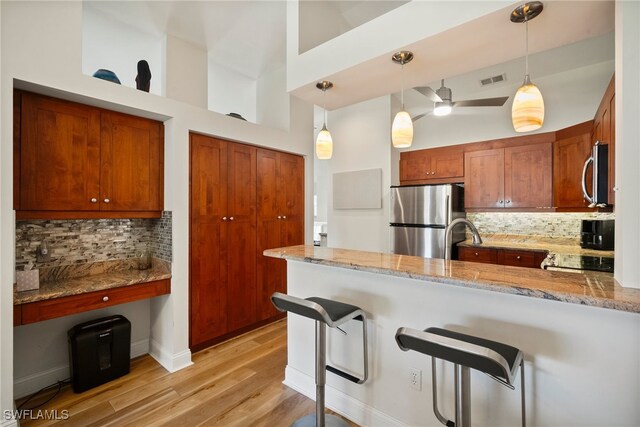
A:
[555,245]
[75,279]
[589,288]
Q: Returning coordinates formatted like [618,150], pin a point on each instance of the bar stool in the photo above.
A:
[499,361]
[332,313]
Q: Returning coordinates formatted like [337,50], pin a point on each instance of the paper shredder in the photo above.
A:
[99,351]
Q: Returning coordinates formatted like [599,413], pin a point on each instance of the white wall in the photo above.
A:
[118,47]
[25,54]
[627,143]
[581,363]
[185,71]
[570,98]
[361,140]
[231,92]
[272,99]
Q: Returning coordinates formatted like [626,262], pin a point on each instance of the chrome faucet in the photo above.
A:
[476,240]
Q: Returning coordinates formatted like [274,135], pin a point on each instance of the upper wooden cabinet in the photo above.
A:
[59,155]
[131,164]
[604,129]
[570,150]
[434,165]
[511,177]
[77,161]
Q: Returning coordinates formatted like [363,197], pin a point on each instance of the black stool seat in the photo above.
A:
[499,361]
[496,359]
[335,309]
[333,313]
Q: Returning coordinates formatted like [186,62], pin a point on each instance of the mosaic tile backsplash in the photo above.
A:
[91,240]
[534,224]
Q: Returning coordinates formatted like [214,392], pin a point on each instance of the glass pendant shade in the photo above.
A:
[402,130]
[527,111]
[324,144]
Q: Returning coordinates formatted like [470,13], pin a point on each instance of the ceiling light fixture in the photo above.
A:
[324,142]
[443,108]
[402,128]
[527,111]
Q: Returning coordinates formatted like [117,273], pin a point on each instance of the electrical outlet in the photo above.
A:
[415,378]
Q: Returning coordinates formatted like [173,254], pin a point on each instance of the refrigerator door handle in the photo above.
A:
[447,220]
[586,195]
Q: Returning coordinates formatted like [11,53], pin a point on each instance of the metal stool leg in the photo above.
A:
[463,396]
[321,373]
[320,419]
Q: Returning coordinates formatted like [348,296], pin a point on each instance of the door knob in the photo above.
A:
[107,200]
[94,200]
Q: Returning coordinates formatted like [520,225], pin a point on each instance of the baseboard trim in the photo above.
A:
[32,383]
[170,362]
[336,400]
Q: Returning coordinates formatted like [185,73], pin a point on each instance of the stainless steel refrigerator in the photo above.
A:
[419,215]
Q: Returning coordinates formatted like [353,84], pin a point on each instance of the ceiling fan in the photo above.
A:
[442,103]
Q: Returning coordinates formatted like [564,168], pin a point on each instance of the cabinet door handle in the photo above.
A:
[107,200]
[231,218]
[94,200]
[500,202]
[508,201]
[279,217]
[224,218]
[105,298]
[433,173]
[284,217]
[518,257]
[476,253]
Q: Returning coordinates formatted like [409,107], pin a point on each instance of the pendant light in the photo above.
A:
[324,143]
[527,111]
[402,128]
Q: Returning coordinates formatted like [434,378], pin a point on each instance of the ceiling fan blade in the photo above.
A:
[429,93]
[486,102]
[418,117]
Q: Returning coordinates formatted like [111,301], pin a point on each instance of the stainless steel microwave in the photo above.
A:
[600,181]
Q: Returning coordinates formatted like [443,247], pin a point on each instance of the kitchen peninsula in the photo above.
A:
[579,333]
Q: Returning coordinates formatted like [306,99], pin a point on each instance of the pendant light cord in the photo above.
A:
[324,105]
[526,42]
[402,83]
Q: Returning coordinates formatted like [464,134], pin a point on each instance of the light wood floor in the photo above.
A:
[237,383]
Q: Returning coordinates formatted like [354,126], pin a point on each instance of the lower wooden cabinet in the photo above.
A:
[38,311]
[484,255]
[243,200]
[512,257]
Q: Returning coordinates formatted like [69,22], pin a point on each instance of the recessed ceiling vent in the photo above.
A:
[494,79]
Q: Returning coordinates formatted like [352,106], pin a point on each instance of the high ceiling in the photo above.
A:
[249,37]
